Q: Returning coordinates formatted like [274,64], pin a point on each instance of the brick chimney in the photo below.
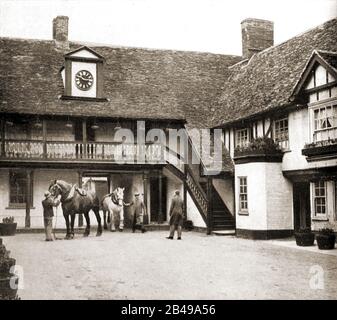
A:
[60,31]
[257,35]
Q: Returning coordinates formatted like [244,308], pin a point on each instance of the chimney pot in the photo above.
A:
[257,35]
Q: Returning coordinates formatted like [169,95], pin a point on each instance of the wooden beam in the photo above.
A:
[210,209]
[44,137]
[145,186]
[160,198]
[84,137]
[28,198]
[80,216]
[3,123]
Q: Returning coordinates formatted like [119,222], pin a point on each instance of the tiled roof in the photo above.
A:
[139,83]
[267,80]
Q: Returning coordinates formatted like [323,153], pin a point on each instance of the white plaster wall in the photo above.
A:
[193,212]
[224,187]
[331,208]
[84,54]
[298,137]
[89,66]
[279,198]
[41,182]
[257,196]
[270,205]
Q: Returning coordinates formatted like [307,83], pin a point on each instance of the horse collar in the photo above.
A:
[114,200]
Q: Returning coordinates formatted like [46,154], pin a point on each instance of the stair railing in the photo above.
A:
[197,193]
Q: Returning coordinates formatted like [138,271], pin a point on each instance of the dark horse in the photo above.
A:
[75,201]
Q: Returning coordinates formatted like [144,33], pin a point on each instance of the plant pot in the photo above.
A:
[6,265]
[304,239]
[326,241]
[8,229]
[6,292]
[188,225]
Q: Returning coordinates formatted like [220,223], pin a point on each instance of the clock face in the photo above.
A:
[84,80]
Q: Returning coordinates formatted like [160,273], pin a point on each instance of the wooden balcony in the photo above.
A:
[37,150]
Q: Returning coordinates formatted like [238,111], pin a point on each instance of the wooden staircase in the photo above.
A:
[222,219]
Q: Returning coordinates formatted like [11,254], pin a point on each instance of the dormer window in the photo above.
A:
[83,75]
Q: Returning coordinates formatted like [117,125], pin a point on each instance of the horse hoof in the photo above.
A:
[67,237]
[85,234]
[105,227]
[121,230]
[98,234]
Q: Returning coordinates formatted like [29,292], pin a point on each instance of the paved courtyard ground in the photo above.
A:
[148,266]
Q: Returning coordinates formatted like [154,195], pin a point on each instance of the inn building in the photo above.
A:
[61,103]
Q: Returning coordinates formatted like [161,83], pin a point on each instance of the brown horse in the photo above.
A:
[75,201]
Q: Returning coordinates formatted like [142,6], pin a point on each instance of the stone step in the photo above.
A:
[230,232]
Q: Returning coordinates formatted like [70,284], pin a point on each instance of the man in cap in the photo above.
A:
[176,215]
[139,210]
[48,203]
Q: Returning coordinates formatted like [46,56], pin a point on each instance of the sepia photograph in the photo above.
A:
[168,150]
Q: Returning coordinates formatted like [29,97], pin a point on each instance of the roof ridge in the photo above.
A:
[321,26]
[94,44]
[107,45]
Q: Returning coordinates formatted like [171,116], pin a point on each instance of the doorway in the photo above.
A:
[155,199]
[101,185]
[302,216]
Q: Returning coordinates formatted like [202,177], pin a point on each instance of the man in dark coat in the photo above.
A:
[48,203]
[176,215]
[139,210]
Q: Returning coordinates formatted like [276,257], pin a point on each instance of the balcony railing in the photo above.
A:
[75,150]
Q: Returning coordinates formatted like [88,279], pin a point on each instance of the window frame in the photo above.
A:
[237,132]
[318,105]
[243,210]
[314,214]
[281,131]
[19,205]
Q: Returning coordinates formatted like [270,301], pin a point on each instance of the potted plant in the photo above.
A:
[8,227]
[8,280]
[304,237]
[326,239]
[188,225]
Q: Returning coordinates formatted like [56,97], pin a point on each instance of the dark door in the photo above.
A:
[102,189]
[156,199]
[302,217]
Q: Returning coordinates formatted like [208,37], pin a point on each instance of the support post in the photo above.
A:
[28,198]
[3,137]
[44,137]
[209,208]
[160,198]
[80,216]
[84,138]
[145,186]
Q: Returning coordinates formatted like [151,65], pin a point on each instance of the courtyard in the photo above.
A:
[148,266]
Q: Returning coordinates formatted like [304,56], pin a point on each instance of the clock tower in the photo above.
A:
[82,74]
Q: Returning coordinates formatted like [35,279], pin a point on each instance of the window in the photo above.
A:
[281,132]
[243,194]
[18,188]
[242,137]
[325,117]
[320,198]
[325,122]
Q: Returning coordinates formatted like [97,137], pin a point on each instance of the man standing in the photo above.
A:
[176,215]
[48,203]
[139,211]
